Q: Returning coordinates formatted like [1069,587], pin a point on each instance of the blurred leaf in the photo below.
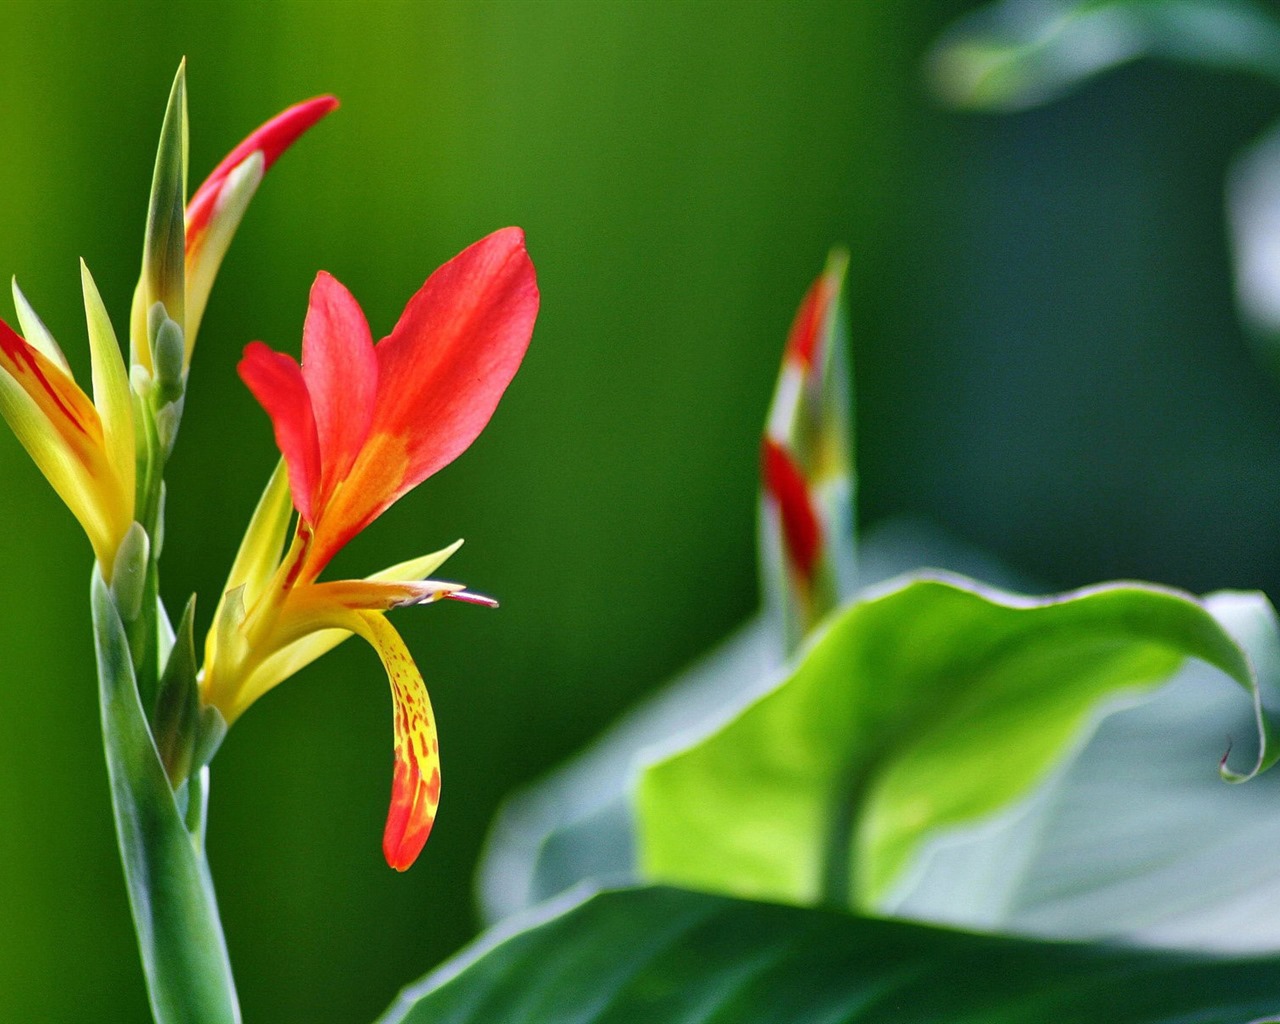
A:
[933,704]
[1253,209]
[1020,53]
[1136,839]
[807,554]
[576,824]
[665,955]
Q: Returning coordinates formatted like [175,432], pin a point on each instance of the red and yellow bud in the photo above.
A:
[184,248]
[85,448]
[806,465]
[218,205]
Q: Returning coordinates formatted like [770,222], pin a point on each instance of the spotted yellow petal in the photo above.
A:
[415,787]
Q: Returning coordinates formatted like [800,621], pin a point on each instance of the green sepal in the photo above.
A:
[184,954]
[177,712]
[129,573]
[168,351]
[164,248]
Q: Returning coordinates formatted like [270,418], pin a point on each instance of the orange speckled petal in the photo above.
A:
[415,788]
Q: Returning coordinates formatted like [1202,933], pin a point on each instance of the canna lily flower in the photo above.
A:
[358,426]
[85,448]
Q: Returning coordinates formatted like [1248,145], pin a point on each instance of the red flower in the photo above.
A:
[359,425]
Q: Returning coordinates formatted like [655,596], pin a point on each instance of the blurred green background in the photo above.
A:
[1048,360]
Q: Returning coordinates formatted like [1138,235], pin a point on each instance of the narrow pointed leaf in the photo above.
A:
[35,331]
[664,955]
[177,712]
[164,248]
[184,955]
[930,704]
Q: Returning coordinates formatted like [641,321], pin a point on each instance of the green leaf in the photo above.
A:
[1253,208]
[576,824]
[1020,53]
[933,704]
[184,955]
[662,956]
[1136,839]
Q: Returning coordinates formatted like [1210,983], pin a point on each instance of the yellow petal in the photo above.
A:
[263,543]
[36,333]
[303,630]
[418,568]
[204,257]
[61,430]
[111,393]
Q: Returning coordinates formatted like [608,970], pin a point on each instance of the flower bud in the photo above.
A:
[167,354]
[129,573]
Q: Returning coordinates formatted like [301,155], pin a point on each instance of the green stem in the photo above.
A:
[839,849]
[175,912]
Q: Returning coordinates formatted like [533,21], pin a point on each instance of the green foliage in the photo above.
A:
[929,705]
[657,955]
[1018,53]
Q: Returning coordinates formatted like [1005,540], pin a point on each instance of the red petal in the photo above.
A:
[441,373]
[341,373]
[272,138]
[412,813]
[785,484]
[810,318]
[56,394]
[277,383]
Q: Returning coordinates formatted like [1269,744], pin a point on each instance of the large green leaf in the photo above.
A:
[934,704]
[1136,838]
[661,956]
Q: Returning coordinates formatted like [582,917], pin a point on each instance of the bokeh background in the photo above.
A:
[1049,367]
